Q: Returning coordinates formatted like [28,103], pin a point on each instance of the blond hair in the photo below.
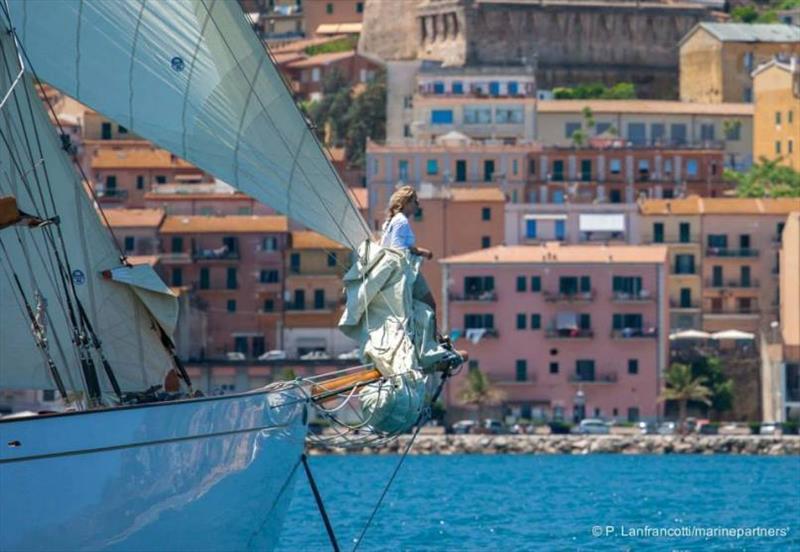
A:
[400,198]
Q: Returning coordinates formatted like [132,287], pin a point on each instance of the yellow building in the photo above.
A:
[716,59]
[776,118]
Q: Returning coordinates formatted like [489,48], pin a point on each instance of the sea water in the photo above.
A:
[540,502]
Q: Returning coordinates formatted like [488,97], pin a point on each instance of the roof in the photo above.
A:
[747,32]
[646,107]
[287,57]
[134,260]
[695,205]
[137,158]
[321,59]
[477,194]
[237,224]
[339,28]
[770,64]
[554,252]
[134,218]
[307,239]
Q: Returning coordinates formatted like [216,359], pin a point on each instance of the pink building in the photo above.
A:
[545,322]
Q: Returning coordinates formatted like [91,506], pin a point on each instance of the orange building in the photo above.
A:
[136,230]
[308,74]
[776,120]
[325,17]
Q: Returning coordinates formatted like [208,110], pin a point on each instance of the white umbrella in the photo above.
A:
[733,334]
[689,334]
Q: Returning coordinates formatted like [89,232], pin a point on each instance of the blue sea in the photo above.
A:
[592,502]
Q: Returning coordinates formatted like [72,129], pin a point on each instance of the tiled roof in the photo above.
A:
[134,218]
[236,224]
[749,32]
[554,253]
[321,59]
[137,158]
[477,194]
[646,106]
[694,205]
[307,239]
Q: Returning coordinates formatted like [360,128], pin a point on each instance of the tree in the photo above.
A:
[479,391]
[620,91]
[682,386]
[769,178]
[365,119]
[579,138]
[721,386]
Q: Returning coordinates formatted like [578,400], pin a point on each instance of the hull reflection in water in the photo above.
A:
[206,474]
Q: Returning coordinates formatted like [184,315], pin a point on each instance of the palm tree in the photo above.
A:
[683,387]
[479,391]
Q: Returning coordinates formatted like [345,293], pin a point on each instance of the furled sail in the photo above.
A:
[191,76]
[35,170]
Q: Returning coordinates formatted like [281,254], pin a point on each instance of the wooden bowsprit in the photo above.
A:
[328,390]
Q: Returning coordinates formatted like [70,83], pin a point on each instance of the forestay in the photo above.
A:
[191,76]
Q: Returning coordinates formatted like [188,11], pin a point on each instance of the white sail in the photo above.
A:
[191,76]
[34,169]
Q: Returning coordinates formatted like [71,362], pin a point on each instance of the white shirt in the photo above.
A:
[398,233]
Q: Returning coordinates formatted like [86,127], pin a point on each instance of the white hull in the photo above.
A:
[204,474]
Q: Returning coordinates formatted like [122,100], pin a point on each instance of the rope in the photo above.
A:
[320,504]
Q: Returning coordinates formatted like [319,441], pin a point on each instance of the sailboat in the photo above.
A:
[131,468]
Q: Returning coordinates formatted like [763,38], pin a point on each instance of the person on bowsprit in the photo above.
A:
[397,234]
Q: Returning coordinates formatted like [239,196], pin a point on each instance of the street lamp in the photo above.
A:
[580,405]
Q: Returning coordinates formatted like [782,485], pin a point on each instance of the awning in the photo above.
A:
[339,28]
[601,223]
[689,334]
[732,334]
[567,321]
[545,217]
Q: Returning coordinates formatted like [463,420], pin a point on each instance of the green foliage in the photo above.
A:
[286,374]
[344,44]
[595,91]
[789,5]
[479,391]
[766,179]
[682,386]
[365,119]
[744,14]
[721,387]
[621,91]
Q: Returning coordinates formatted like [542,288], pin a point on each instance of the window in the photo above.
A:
[601,128]
[586,170]
[269,305]
[733,132]
[532,167]
[478,285]
[707,131]
[684,264]
[513,88]
[432,166]
[402,170]
[478,321]
[329,8]
[790,116]
[657,133]
[686,298]
[778,147]
[461,170]
[628,285]
[130,243]
[442,117]
[486,242]
[177,244]
[359,7]
[667,166]
[269,243]
[494,88]
[508,115]
[522,319]
[716,276]
[558,170]
[560,230]
[778,118]
[570,129]
[240,346]
[319,299]
[658,232]
[633,414]
[294,263]
[111,182]
[585,321]
[558,196]
[486,213]
[205,278]
[522,370]
[637,133]
[615,166]
[633,366]
[161,179]
[299,302]
[477,115]
[140,182]
[615,196]
[691,167]
[747,94]
[554,367]
[717,241]
[521,281]
[790,146]
[488,170]
[458,87]
[231,305]
[536,284]
[685,232]
[530,228]
[259,346]
[332,260]
[105,131]
[644,168]
[584,369]
[230,281]
[677,132]
[515,167]
[269,277]
[624,321]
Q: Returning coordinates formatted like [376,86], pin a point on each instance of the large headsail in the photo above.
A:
[35,170]
[191,76]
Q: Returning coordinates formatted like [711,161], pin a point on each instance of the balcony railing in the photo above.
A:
[479,296]
[220,254]
[674,239]
[678,304]
[752,309]
[175,258]
[678,270]
[711,283]
[112,194]
[558,296]
[487,332]
[635,333]
[731,252]
[577,333]
[636,297]
[608,377]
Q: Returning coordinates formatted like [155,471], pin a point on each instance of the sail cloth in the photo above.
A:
[35,170]
[152,291]
[191,76]
[396,332]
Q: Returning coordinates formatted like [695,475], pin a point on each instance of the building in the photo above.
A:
[136,230]
[550,323]
[234,266]
[308,74]
[325,17]
[716,59]
[572,42]
[723,259]
[776,118]
[280,21]
[216,199]
[313,294]
[553,122]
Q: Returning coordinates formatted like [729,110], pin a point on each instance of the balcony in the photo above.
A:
[607,377]
[219,254]
[690,239]
[737,284]
[480,333]
[175,258]
[112,194]
[575,333]
[752,310]
[635,333]
[676,304]
[642,296]
[742,252]
[568,297]
[483,296]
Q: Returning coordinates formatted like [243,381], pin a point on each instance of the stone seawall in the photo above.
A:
[584,444]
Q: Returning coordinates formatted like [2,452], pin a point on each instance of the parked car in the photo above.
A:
[666,428]
[709,429]
[646,428]
[770,428]
[315,355]
[593,426]
[494,427]
[350,355]
[235,355]
[464,426]
[275,354]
